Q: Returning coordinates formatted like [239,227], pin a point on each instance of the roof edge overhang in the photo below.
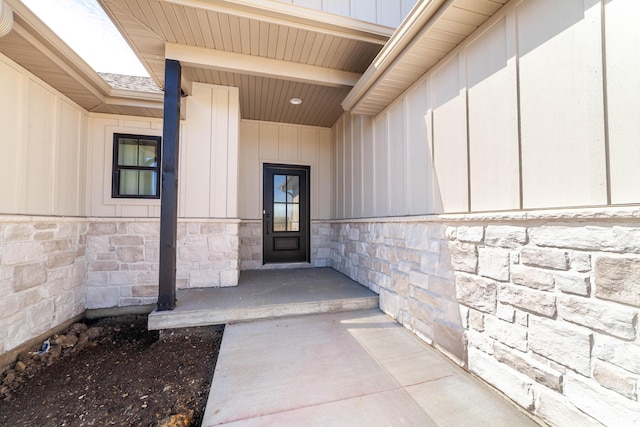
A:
[409,31]
[48,43]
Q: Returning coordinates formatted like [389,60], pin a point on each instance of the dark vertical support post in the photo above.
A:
[169,196]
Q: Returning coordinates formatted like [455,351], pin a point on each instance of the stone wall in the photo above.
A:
[542,305]
[42,271]
[122,259]
[320,243]
[251,244]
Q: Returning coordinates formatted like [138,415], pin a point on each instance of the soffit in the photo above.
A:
[256,30]
[430,32]
[39,50]
[267,99]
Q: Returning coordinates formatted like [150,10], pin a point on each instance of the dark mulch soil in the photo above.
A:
[112,372]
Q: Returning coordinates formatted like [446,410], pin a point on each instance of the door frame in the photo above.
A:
[305,208]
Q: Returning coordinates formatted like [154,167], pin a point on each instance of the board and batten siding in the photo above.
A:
[383,12]
[537,109]
[209,169]
[207,185]
[268,142]
[622,34]
[42,163]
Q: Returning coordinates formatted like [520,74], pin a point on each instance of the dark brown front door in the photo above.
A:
[285,214]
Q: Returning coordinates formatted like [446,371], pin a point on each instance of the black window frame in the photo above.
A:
[116,168]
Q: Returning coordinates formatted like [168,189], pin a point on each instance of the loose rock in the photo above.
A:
[66,341]
[178,420]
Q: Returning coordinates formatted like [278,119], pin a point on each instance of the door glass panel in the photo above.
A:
[279,188]
[293,217]
[286,203]
[293,188]
[279,217]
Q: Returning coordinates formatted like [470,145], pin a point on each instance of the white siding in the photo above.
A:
[450,137]
[368,162]
[514,118]
[383,12]
[623,90]
[211,153]
[418,171]
[380,167]
[493,121]
[356,173]
[562,117]
[13,86]
[341,169]
[42,143]
[70,161]
[267,142]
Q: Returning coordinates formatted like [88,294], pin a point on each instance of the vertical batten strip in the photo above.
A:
[605,102]
[464,78]
[512,16]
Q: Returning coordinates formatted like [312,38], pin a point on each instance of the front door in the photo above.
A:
[285,214]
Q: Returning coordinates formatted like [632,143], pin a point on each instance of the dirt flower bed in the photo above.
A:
[112,372]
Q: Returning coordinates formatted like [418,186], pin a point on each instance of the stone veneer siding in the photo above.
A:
[251,244]
[542,305]
[122,259]
[42,275]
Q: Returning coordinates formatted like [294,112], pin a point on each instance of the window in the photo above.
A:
[286,203]
[136,166]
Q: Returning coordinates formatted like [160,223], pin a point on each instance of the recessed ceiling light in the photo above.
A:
[295,101]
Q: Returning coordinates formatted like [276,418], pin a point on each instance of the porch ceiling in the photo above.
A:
[270,50]
[34,46]
[430,32]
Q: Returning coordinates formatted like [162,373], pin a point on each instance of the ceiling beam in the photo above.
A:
[290,15]
[253,65]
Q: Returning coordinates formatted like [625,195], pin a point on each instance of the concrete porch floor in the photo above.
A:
[266,294]
[357,368]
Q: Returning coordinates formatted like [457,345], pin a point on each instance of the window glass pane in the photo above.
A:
[127,152]
[147,155]
[279,217]
[293,188]
[279,188]
[148,183]
[293,217]
[128,182]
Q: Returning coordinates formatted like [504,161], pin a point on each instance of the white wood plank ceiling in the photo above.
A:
[434,29]
[272,54]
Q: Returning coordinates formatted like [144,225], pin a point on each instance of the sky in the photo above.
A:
[84,26]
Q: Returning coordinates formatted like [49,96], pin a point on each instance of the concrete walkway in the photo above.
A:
[357,368]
